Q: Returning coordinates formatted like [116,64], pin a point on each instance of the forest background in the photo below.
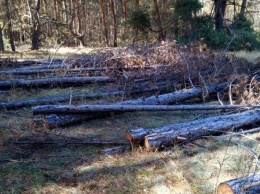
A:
[34,24]
[159,44]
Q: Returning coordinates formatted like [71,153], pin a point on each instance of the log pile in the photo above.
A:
[58,120]
[164,75]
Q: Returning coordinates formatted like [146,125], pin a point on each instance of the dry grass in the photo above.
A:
[60,52]
[197,167]
[253,56]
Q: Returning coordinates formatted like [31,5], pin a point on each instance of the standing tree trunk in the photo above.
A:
[103,20]
[162,33]
[243,8]
[125,12]
[10,28]
[114,23]
[137,7]
[220,8]
[2,48]
[36,27]
[78,35]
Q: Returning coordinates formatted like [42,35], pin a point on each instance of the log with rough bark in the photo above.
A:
[173,97]
[43,82]
[54,99]
[247,184]
[21,62]
[169,98]
[51,121]
[51,69]
[193,129]
[82,109]
[35,67]
[167,135]
[115,150]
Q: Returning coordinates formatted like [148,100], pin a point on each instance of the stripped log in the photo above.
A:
[82,109]
[169,98]
[167,135]
[247,184]
[43,82]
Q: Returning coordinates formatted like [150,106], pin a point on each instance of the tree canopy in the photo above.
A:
[45,23]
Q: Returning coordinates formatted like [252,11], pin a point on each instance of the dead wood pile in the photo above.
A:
[170,72]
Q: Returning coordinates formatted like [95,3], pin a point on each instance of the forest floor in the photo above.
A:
[196,167]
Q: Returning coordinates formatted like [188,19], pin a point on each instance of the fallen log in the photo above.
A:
[137,135]
[65,142]
[173,97]
[34,67]
[82,109]
[43,82]
[169,98]
[20,62]
[54,99]
[247,184]
[50,69]
[52,121]
[167,135]
[115,150]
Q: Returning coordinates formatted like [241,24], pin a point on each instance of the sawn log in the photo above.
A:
[82,109]
[163,99]
[52,99]
[167,135]
[42,82]
[247,184]
[173,97]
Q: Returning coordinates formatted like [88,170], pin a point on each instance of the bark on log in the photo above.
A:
[43,82]
[115,150]
[82,109]
[159,137]
[7,62]
[35,67]
[169,98]
[33,64]
[51,69]
[54,99]
[67,142]
[136,135]
[177,96]
[247,184]
[28,71]
[52,121]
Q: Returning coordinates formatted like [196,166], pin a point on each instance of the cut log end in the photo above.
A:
[135,136]
[129,137]
[247,184]
[224,188]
